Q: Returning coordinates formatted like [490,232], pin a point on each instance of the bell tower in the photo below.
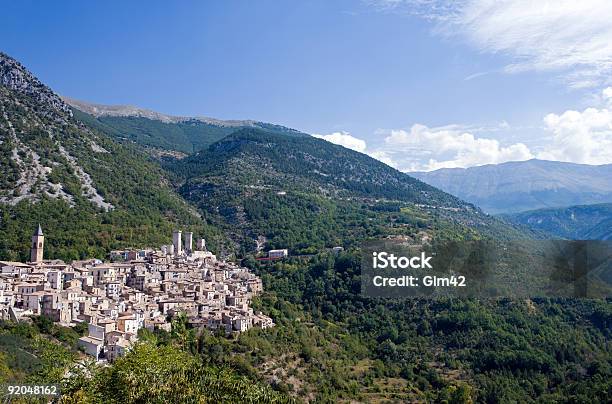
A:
[38,244]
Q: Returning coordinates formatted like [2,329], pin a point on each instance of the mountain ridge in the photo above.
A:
[14,76]
[162,132]
[119,110]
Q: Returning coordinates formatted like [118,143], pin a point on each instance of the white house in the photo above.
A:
[273,254]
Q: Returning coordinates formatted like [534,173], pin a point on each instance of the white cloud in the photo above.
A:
[344,139]
[581,137]
[573,37]
[424,149]
[574,136]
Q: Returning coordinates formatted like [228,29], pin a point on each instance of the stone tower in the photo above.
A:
[201,244]
[38,244]
[176,241]
[188,242]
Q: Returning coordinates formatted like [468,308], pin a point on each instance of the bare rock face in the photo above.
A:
[44,151]
[14,76]
[98,110]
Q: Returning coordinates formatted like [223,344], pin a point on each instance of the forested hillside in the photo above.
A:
[338,344]
[584,222]
[305,194]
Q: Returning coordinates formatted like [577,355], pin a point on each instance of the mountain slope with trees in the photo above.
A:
[306,194]
[583,222]
[164,132]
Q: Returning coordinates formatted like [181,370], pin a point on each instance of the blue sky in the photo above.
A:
[419,84]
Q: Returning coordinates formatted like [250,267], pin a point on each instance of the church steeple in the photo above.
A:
[38,245]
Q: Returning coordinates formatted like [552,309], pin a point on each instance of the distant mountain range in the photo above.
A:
[527,185]
[586,222]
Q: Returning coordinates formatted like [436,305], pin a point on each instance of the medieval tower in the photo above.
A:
[38,244]
[188,242]
[176,241]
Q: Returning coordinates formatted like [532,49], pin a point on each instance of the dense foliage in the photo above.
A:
[36,353]
[45,353]
[163,374]
[504,350]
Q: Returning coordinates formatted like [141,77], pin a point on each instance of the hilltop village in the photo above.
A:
[137,289]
